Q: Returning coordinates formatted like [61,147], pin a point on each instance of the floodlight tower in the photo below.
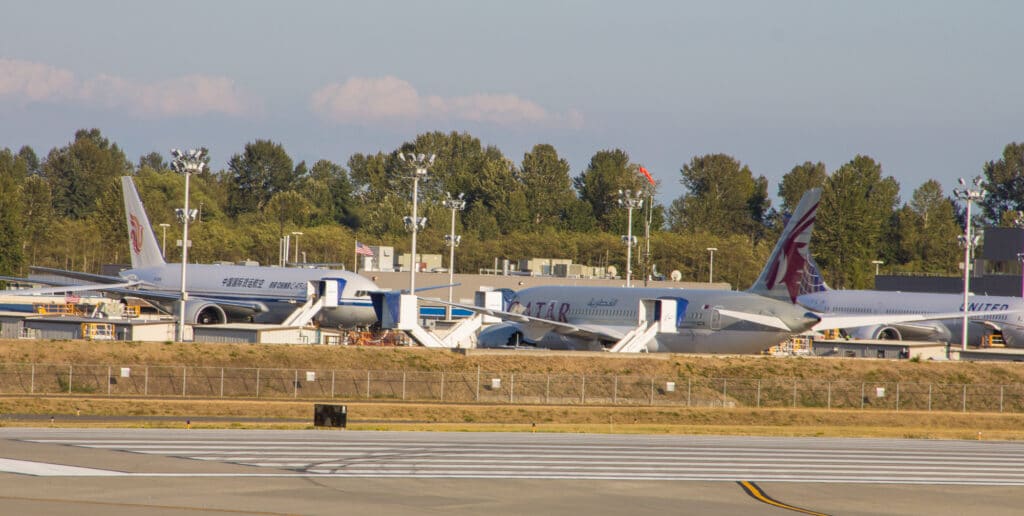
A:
[186,163]
[455,204]
[163,250]
[969,195]
[711,264]
[419,162]
[297,235]
[630,200]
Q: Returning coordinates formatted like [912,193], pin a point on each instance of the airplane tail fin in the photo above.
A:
[790,270]
[141,240]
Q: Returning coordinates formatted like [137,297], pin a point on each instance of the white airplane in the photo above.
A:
[220,293]
[991,314]
[704,321]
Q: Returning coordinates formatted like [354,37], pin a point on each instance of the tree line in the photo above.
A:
[65,209]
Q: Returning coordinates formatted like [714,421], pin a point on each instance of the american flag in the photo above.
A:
[363,249]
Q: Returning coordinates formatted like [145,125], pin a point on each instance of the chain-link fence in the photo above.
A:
[501,387]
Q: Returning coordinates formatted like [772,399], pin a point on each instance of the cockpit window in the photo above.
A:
[361,293]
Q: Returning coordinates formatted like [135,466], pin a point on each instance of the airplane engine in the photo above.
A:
[501,335]
[204,312]
[879,332]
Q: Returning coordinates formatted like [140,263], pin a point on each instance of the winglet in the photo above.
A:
[787,267]
[141,240]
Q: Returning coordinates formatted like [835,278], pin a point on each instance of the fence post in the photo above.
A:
[512,388]
[758,393]
[184,378]
[145,386]
[295,385]
[862,395]
[615,390]
[725,390]
[71,372]
[1000,399]
[965,399]
[794,392]
[688,381]
[897,396]
[108,380]
[652,391]
[367,384]
[547,390]
[32,386]
[403,385]
[442,386]
[222,382]
[583,391]
[929,397]
[830,395]
[478,384]
[332,383]
[257,382]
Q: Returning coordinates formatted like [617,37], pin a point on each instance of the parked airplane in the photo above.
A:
[703,321]
[1003,315]
[223,293]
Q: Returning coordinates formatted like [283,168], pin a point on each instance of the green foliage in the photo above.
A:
[928,231]
[609,172]
[261,171]
[722,197]
[12,174]
[1005,184]
[82,171]
[546,182]
[801,178]
[856,212]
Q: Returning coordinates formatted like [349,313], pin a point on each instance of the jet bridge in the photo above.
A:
[401,312]
[654,317]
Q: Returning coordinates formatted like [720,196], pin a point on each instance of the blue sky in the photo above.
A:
[929,89]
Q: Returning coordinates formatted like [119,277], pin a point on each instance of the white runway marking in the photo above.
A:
[44,469]
[559,456]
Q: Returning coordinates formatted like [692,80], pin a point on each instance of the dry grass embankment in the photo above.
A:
[556,418]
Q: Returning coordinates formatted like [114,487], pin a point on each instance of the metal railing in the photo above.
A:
[502,388]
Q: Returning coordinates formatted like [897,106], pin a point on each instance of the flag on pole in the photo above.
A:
[647,175]
[363,249]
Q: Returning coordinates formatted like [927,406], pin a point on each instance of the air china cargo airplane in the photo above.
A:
[992,314]
[221,293]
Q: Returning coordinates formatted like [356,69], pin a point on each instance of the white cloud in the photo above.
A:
[362,100]
[181,96]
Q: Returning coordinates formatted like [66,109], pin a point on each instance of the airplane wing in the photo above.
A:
[534,328]
[836,321]
[82,276]
[764,320]
[52,290]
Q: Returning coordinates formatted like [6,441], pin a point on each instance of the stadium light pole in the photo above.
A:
[419,162]
[186,163]
[969,195]
[1018,221]
[163,250]
[877,263]
[630,200]
[711,264]
[297,235]
[455,204]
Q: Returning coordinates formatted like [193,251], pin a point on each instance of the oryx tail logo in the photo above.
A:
[789,265]
[135,234]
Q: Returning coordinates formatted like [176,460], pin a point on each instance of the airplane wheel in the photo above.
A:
[516,339]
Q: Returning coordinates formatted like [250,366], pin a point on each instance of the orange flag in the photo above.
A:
[647,175]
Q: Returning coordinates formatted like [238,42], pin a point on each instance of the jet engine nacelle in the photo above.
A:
[877,332]
[204,312]
[501,335]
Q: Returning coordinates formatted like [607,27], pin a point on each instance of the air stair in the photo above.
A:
[319,295]
[655,316]
[400,311]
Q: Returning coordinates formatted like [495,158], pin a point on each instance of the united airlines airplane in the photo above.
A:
[225,293]
[1001,315]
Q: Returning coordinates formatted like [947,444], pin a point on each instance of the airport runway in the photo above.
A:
[120,471]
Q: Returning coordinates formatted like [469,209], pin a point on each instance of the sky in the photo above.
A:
[930,89]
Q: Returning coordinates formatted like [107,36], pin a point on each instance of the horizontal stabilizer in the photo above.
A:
[764,320]
[838,321]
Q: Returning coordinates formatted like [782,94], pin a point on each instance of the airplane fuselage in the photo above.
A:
[700,326]
[1009,318]
[278,290]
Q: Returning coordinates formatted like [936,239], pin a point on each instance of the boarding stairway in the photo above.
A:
[400,312]
[655,317]
[320,294]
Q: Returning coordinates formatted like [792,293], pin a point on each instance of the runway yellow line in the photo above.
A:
[140,505]
[753,490]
